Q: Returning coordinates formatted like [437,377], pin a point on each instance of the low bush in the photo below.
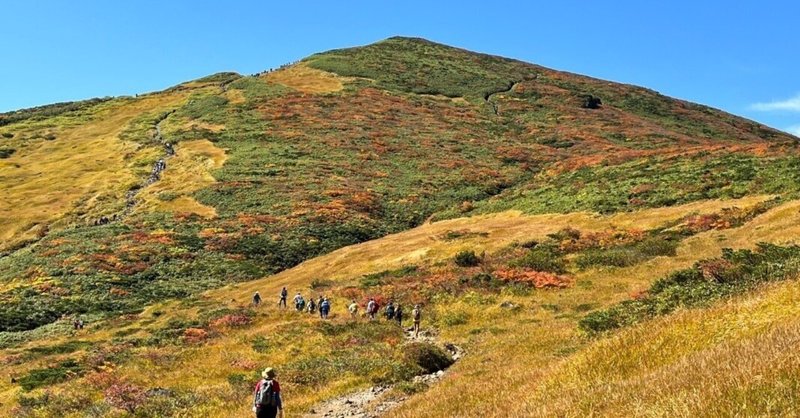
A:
[6,152]
[735,272]
[628,254]
[428,357]
[51,375]
[466,258]
[544,258]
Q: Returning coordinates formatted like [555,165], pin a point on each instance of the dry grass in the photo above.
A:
[186,173]
[423,243]
[535,357]
[87,166]
[306,79]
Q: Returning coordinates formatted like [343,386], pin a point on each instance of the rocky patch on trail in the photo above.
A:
[378,400]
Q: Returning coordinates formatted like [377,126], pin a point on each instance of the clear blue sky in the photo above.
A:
[741,56]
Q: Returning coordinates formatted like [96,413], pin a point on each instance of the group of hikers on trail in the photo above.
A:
[267,401]
[323,304]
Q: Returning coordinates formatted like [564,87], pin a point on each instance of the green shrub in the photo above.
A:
[735,272]
[542,258]
[466,258]
[49,376]
[6,152]
[428,357]
[629,254]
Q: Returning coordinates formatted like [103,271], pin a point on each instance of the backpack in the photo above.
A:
[266,395]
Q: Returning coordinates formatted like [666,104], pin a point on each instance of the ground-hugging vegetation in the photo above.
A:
[347,147]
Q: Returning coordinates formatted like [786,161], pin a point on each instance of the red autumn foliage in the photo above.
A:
[537,279]
[195,335]
[125,396]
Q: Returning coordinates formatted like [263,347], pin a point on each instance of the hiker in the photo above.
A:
[417,315]
[282,301]
[80,323]
[256,299]
[372,308]
[75,324]
[390,311]
[319,305]
[312,307]
[324,308]
[353,308]
[398,315]
[299,303]
[267,400]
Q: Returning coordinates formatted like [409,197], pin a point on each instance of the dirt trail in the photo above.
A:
[378,400]
[158,166]
[488,97]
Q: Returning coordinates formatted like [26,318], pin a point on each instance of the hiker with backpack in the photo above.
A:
[353,308]
[319,305]
[417,315]
[312,307]
[267,400]
[389,311]
[282,301]
[299,302]
[324,308]
[256,299]
[372,308]
[398,315]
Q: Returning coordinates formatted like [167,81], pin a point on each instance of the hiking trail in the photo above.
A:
[377,400]
[158,167]
[488,96]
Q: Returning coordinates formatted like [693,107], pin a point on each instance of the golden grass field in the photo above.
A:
[535,358]
[86,168]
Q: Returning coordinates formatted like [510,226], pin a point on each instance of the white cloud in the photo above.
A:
[794,130]
[791,105]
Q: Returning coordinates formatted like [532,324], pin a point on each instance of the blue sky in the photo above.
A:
[740,56]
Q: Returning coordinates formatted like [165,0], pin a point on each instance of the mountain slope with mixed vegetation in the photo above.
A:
[550,224]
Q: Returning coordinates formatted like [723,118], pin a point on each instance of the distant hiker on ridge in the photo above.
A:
[256,299]
[267,400]
[282,301]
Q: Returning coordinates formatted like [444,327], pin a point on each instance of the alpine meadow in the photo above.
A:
[603,249]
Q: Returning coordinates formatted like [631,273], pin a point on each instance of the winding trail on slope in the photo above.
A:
[488,96]
[155,175]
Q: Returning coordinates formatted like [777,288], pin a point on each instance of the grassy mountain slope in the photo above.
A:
[577,207]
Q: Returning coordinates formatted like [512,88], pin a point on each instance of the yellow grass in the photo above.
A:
[187,172]
[538,362]
[306,79]
[86,167]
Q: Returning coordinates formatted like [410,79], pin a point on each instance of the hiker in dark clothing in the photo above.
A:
[324,308]
[319,305]
[390,311]
[267,400]
[398,315]
[256,299]
[312,306]
[282,301]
